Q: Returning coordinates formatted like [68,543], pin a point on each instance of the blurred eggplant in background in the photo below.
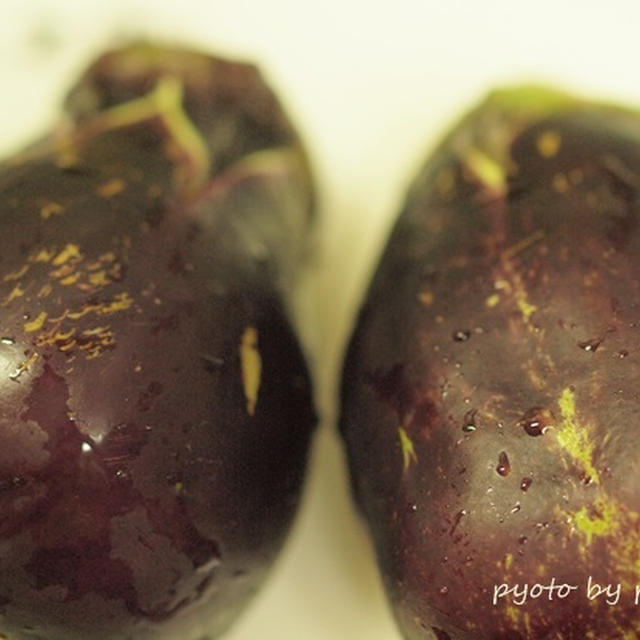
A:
[155,405]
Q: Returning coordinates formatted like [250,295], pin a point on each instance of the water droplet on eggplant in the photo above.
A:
[590,345]
[504,466]
[525,483]
[13,482]
[469,421]
[536,421]
[586,479]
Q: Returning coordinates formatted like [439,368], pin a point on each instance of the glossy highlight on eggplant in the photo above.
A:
[485,384]
[155,405]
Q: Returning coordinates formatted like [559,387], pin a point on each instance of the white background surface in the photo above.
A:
[371,85]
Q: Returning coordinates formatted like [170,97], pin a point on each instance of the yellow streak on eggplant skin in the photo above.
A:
[519,293]
[121,302]
[50,209]
[486,169]
[548,143]
[526,309]
[41,256]
[408,450]
[111,188]
[513,614]
[36,324]
[16,275]
[602,521]
[70,251]
[575,438]
[16,292]
[514,280]
[183,130]
[251,367]
[492,300]
[604,517]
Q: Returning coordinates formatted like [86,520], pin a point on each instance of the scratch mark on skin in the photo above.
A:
[538,379]
[517,248]
[23,366]
[513,277]
[251,366]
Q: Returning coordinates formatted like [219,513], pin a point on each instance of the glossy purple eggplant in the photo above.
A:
[155,406]
[492,388]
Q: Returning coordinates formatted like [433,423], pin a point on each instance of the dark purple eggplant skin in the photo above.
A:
[155,405]
[490,396]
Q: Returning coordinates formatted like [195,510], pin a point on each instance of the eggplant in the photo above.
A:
[490,394]
[155,403]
